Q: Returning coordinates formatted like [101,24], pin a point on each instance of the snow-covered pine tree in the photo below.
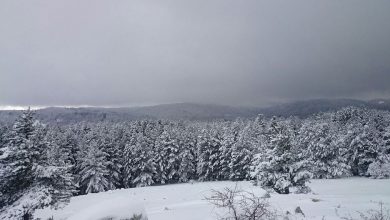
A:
[93,167]
[320,145]
[70,145]
[54,170]
[365,150]
[29,181]
[259,125]
[386,141]
[241,153]
[209,155]
[3,137]
[203,143]
[128,159]
[349,123]
[17,160]
[166,157]
[229,139]
[121,136]
[3,150]
[112,150]
[281,168]
[139,164]
[257,133]
[187,155]
[380,168]
[64,146]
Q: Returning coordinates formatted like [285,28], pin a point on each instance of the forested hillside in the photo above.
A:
[44,164]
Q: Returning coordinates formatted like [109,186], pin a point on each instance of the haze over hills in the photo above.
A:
[191,111]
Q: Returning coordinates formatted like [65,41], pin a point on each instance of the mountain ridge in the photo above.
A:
[192,111]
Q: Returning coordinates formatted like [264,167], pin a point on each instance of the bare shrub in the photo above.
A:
[134,217]
[380,213]
[138,217]
[241,205]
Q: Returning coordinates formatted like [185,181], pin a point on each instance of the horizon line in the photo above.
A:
[38,107]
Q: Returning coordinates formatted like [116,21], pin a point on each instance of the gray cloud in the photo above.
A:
[222,51]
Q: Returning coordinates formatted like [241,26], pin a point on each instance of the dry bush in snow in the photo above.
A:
[240,205]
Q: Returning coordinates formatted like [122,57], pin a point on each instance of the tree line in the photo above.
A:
[44,165]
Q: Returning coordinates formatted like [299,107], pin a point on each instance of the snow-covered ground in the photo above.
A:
[186,201]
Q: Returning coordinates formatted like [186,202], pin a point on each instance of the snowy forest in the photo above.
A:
[44,164]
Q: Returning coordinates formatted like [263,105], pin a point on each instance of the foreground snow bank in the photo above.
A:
[108,205]
[115,208]
[330,198]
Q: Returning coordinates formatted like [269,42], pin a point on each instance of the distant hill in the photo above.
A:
[309,107]
[179,111]
[191,111]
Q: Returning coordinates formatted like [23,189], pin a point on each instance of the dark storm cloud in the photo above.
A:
[223,51]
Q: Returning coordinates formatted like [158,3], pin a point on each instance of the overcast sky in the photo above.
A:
[252,52]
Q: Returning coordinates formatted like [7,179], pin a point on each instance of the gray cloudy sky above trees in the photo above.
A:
[118,53]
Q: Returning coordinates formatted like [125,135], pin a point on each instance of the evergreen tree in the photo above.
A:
[122,135]
[140,167]
[57,169]
[364,151]
[241,156]
[322,150]
[280,168]
[93,168]
[166,158]
[17,159]
[29,181]
[380,168]
[112,150]
[187,156]
[70,146]
[386,141]
[229,139]
[209,153]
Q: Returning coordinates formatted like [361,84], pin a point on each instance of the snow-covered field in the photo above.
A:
[186,201]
